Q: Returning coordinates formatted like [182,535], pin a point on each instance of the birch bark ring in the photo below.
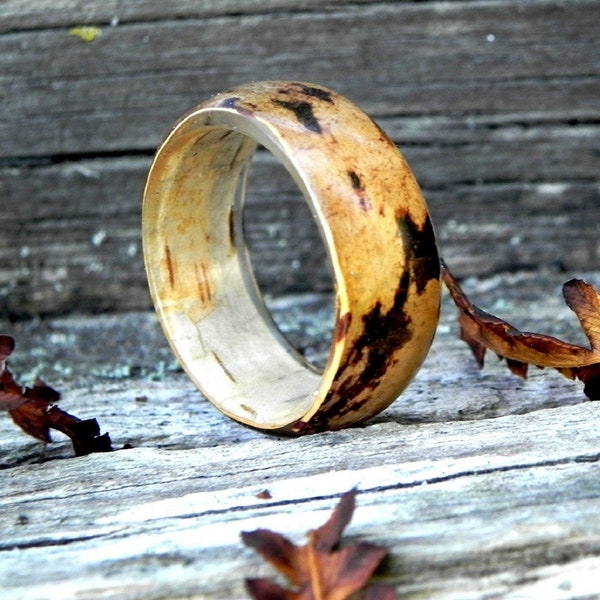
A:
[374,224]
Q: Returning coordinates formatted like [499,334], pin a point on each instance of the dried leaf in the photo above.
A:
[320,570]
[7,345]
[379,591]
[265,589]
[328,536]
[34,410]
[590,376]
[264,495]
[483,331]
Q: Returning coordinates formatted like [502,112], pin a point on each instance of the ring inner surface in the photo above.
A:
[282,237]
[203,284]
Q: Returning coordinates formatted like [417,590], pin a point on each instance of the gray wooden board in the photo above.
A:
[493,103]
[22,14]
[62,95]
[480,485]
[88,256]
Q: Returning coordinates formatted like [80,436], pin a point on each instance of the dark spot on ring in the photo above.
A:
[307,90]
[383,334]
[203,282]
[231,229]
[233,103]
[363,200]
[315,92]
[355,180]
[341,326]
[170,267]
[304,113]
[421,250]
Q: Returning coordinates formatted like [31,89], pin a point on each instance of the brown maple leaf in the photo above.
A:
[35,411]
[483,331]
[321,569]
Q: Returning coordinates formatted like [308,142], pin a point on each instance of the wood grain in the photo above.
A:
[62,95]
[479,484]
[494,105]
[90,259]
[22,14]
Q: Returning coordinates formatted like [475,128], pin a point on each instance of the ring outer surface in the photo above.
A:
[374,223]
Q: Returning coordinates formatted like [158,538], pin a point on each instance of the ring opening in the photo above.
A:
[202,282]
[288,258]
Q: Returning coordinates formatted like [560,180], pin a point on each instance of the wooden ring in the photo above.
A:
[375,226]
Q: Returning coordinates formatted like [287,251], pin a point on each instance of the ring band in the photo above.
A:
[373,221]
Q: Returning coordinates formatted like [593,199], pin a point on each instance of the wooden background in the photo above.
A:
[481,486]
[495,105]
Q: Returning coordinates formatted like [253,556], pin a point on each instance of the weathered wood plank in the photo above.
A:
[87,255]
[427,512]
[490,520]
[126,356]
[114,119]
[479,484]
[488,108]
[22,14]
[112,93]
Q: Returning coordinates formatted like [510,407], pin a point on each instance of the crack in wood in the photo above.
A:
[44,543]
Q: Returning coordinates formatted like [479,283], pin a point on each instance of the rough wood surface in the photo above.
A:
[479,484]
[493,103]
